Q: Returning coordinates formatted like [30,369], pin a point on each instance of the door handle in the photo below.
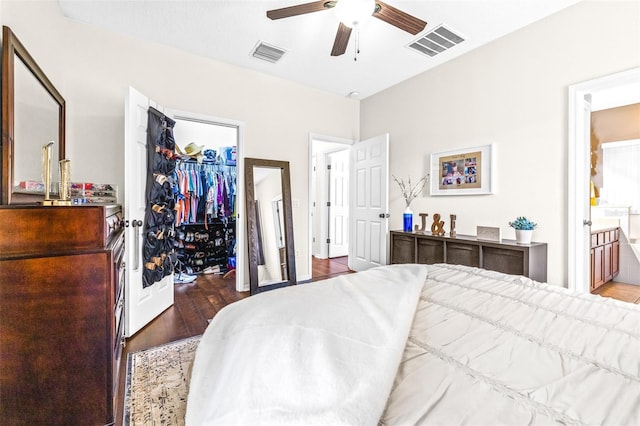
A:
[136,243]
[587,222]
[383,215]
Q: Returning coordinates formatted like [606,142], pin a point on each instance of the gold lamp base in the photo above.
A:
[55,203]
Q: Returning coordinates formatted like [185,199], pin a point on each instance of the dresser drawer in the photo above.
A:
[118,265]
[118,344]
[56,229]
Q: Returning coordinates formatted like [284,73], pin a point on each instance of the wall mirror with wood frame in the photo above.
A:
[33,114]
[269,224]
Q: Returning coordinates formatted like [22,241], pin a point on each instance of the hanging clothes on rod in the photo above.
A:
[205,195]
[204,191]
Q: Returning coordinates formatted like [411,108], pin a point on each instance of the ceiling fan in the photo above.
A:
[350,13]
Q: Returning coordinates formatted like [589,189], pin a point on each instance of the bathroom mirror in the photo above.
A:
[33,113]
[269,224]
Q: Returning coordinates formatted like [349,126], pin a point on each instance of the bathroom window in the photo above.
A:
[621,174]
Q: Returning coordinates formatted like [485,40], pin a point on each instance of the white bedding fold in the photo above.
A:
[324,353]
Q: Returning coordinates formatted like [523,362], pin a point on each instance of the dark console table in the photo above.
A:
[505,256]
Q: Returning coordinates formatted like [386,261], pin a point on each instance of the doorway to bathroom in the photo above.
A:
[587,209]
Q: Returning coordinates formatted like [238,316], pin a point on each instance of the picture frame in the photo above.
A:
[467,171]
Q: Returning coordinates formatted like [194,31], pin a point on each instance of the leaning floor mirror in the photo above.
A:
[269,224]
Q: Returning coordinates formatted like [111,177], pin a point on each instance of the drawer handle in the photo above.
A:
[587,222]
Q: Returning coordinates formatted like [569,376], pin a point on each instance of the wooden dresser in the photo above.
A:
[605,255]
[503,256]
[61,282]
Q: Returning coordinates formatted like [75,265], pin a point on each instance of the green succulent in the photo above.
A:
[522,223]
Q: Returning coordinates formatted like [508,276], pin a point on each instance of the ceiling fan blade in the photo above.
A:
[398,18]
[341,41]
[300,9]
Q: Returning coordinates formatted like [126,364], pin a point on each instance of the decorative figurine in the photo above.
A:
[437,227]
[452,232]
[65,184]
[423,216]
[46,173]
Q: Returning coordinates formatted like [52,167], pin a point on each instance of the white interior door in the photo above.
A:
[141,304]
[583,282]
[369,200]
[338,203]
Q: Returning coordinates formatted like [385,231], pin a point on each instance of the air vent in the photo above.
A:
[267,52]
[437,41]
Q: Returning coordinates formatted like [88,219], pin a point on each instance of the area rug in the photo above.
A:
[156,389]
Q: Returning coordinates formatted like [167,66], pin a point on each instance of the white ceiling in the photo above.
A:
[229,30]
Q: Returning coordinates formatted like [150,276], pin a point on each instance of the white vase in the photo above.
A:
[523,236]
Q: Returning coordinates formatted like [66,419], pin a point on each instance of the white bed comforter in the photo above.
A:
[316,354]
[487,348]
[466,346]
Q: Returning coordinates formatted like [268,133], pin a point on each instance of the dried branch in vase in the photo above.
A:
[409,191]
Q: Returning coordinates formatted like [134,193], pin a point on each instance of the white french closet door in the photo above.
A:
[369,200]
[141,304]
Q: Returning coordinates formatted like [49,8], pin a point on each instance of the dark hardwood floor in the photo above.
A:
[326,268]
[196,303]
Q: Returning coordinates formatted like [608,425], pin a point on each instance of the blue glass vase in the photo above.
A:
[408,220]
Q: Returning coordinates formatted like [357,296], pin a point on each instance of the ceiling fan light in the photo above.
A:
[354,12]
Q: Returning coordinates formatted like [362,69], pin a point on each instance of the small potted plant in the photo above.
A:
[524,229]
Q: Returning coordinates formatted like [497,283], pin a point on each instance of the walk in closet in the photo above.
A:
[205,219]
[206,198]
